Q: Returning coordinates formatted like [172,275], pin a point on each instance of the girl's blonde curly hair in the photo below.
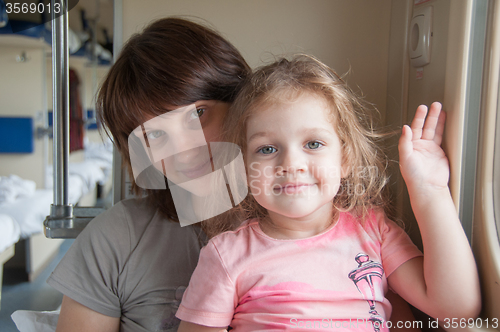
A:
[364,186]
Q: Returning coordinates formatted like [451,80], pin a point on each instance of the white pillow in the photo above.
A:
[35,321]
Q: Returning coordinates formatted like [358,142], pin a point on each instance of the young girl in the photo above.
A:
[318,252]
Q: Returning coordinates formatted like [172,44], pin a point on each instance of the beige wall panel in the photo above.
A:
[41,253]
[92,79]
[425,90]
[444,78]
[397,92]
[455,90]
[347,35]
[22,94]
[431,87]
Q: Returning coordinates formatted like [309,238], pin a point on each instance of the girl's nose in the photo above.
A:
[292,162]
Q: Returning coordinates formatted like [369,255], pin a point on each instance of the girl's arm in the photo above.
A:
[443,284]
[401,312]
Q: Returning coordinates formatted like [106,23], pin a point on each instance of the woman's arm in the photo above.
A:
[75,317]
[443,284]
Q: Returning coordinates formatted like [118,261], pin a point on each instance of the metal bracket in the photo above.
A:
[41,132]
[66,221]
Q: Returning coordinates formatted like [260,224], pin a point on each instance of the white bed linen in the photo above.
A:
[29,212]
[83,177]
[90,172]
[13,187]
[9,231]
[35,321]
[102,151]
[102,155]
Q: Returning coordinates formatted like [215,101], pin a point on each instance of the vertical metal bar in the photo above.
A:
[45,121]
[94,59]
[60,98]
[64,220]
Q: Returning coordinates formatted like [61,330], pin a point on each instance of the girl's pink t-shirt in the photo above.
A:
[335,280]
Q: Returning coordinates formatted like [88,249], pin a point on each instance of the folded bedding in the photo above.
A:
[29,212]
[83,177]
[90,172]
[102,155]
[13,187]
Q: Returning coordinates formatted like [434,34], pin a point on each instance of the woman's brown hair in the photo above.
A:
[172,62]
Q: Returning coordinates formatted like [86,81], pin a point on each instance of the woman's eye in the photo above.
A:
[314,145]
[197,113]
[152,135]
[267,150]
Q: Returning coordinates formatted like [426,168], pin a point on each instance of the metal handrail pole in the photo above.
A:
[60,98]
[64,221]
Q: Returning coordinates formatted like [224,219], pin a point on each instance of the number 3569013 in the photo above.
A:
[471,323]
[32,8]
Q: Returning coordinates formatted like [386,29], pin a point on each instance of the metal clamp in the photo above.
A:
[66,221]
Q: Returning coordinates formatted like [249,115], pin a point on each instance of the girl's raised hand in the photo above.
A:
[424,282]
[422,161]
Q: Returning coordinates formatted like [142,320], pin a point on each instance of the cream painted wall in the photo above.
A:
[406,91]
[444,79]
[22,94]
[92,79]
[431,87]
[347,35]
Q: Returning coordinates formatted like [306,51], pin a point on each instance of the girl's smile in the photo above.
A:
[291,188]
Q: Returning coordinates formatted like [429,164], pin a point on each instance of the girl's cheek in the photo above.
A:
[254,179]
[254,187]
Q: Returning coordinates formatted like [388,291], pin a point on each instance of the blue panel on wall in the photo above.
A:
[92,126]
[16,135]
[90,113]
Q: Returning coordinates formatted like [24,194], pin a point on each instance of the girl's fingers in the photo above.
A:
[431,122]
[405,142]
[418,122]
[438,137]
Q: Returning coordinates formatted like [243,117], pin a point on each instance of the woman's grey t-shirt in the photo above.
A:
[131,262]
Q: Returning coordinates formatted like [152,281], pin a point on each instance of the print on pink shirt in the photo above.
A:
[368,278]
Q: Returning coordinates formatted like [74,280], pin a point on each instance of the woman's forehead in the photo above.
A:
[172,107]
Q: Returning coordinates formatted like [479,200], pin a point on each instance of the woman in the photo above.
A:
[127,270]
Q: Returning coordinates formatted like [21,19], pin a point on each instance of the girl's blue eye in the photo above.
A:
[155,134]
[313,145]
[267,150]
